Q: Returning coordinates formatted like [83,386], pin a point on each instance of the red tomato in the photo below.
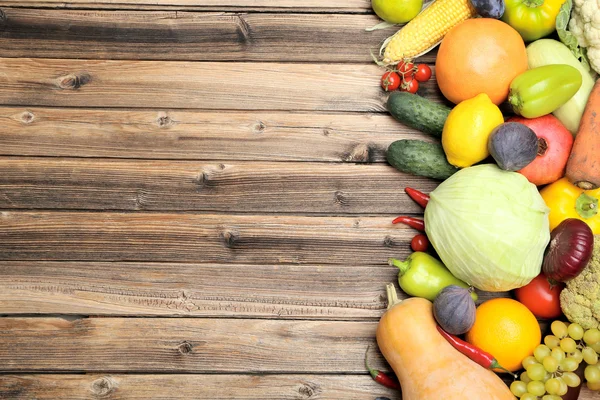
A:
[410,86]
[419,243]
[406,69]
[390,81]
[423,73]
[541,298]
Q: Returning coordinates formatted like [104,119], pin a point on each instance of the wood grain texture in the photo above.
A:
[185,345]
[209,387]
[154,84]
[198,290]
[273,136]
[180,35]
[334,6]
[201,238]
[249,187]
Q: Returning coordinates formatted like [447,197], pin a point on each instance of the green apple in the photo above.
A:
[397,11]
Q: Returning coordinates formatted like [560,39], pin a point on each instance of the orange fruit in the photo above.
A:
[480,55]
[507,330]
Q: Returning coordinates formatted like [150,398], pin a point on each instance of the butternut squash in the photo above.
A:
[583,167]
[428,367]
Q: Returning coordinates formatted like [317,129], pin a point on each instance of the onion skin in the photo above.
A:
[569,251]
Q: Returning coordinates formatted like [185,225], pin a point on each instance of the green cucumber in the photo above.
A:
[420,158]
[418,112]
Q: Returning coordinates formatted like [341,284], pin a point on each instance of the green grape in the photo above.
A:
[529,396]
[551,341]
[568,345]
[551,397]
[577,356]
[536,372]
[518,388]
[591,386]
[546,377]
[591,336]
[571,379]
[591,373]
[529,360]
[575,331]
[596,347]
[568,364]
[590,356]
[550,364]
[552,386]
[559,329]
[536,388]
[563,387]
[524,377]
[558,353]
[541,351]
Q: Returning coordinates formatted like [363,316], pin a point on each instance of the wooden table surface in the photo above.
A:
[194,202]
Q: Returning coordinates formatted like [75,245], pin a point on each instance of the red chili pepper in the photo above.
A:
[419,197]
[481,357]
[381,377]
[416,223]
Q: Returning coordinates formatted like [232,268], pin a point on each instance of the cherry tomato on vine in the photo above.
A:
[390,81]
[419,243]
[542,299]
[410,86]
[406,69]
[423,73]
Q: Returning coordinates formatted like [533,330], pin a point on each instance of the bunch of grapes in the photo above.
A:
[551,370]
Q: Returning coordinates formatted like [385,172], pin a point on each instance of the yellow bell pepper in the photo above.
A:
[566,200]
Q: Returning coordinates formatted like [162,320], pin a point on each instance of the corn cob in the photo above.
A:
[427,29]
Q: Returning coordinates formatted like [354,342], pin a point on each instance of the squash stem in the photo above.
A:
[392,295]
[586,206]
[533,3]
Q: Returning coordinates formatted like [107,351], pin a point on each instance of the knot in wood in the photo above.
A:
[388,241]
[103,387]
[164,121]
[259,127]
[340,198]
[185,347]
[361,153]
[309,390]
[230,238]
[27,117]
[74,81]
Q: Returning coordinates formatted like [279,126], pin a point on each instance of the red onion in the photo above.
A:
[569,251]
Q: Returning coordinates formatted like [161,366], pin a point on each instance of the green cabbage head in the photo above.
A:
[489,227]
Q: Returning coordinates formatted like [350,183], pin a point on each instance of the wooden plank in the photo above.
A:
[216,290]
[219,5]
[210,387]
[185,345]
[180,35]
[156,84]
[239,387]
[200,238]
[258,187]
[273,136]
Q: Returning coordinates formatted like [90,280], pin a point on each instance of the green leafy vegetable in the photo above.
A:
[562,24]
[489,227]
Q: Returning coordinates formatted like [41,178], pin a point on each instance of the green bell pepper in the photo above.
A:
[421,275]
[542,90]
[533,19]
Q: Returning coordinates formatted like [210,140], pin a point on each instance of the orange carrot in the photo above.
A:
[583,168]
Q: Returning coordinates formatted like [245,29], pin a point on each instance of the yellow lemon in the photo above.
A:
[467,130]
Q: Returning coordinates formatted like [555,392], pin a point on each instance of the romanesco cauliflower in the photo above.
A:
[580,300]
[585,25]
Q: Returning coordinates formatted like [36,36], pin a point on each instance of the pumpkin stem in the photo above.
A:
[586,206]
[392,295]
